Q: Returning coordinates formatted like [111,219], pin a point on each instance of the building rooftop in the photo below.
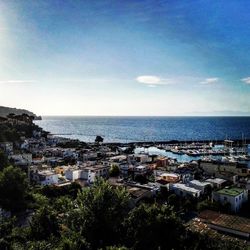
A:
[199,183]
[140,167]
[216,180]
[170,175]
[228,221]
[46,173]
[94,167]
[137,192]
[185,187]
[232,191]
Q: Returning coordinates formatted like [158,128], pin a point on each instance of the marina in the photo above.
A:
[200,151]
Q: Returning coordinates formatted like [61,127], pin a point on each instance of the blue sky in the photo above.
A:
[150,57]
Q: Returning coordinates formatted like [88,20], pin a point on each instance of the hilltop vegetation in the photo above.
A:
[100,217]
[13,127]
[5,111]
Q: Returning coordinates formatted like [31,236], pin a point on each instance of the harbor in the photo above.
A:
[224,152]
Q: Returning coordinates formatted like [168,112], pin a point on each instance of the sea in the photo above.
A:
[139,129]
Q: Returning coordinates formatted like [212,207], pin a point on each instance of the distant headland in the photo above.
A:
[4,111]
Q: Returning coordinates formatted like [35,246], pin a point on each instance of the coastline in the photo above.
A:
[152,143]
[127,130]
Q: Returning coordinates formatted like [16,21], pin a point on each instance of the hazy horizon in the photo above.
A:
[126,58]
[188,115]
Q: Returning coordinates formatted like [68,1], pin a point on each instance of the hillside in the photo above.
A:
[4,111]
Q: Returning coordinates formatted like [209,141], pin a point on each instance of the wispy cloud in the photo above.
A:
[246,80]
[210,80]
[153,81]
[17,81]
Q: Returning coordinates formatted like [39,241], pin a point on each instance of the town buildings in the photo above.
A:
[232,196]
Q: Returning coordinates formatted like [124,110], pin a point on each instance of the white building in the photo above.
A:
[201,185]
[88,175]
[217,182]
[92,172]
[231,195]
[45,177]
[184,190]
[73,174]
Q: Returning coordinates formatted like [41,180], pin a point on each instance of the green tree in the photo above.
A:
[54,192]
[63,204]
[6,226]
[114,171]
[99,214]
[72,240]
[3,160]
[99,139]
[153,227]
[173,200]
[189,204]
[13,182]
[130,149]
[38,245]
[44,224]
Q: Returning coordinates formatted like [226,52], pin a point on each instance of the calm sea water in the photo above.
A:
[128,129]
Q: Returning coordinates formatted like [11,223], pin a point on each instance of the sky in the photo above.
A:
[116,57]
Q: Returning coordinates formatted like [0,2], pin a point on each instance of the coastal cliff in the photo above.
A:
[4,111]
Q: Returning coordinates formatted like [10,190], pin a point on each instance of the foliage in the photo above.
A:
[44,224]
[153,227]
[8,133]
[16,126]
[72,240]
[141,179]
[114,171]
[6,226]
[15,185]
[130,149]
[214,205]
[53,192]
[101,210]
[6,111]
[100,218]
[72,144]
[63,204]
[98,139]
[3,160]
[173,200]
[40,200]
